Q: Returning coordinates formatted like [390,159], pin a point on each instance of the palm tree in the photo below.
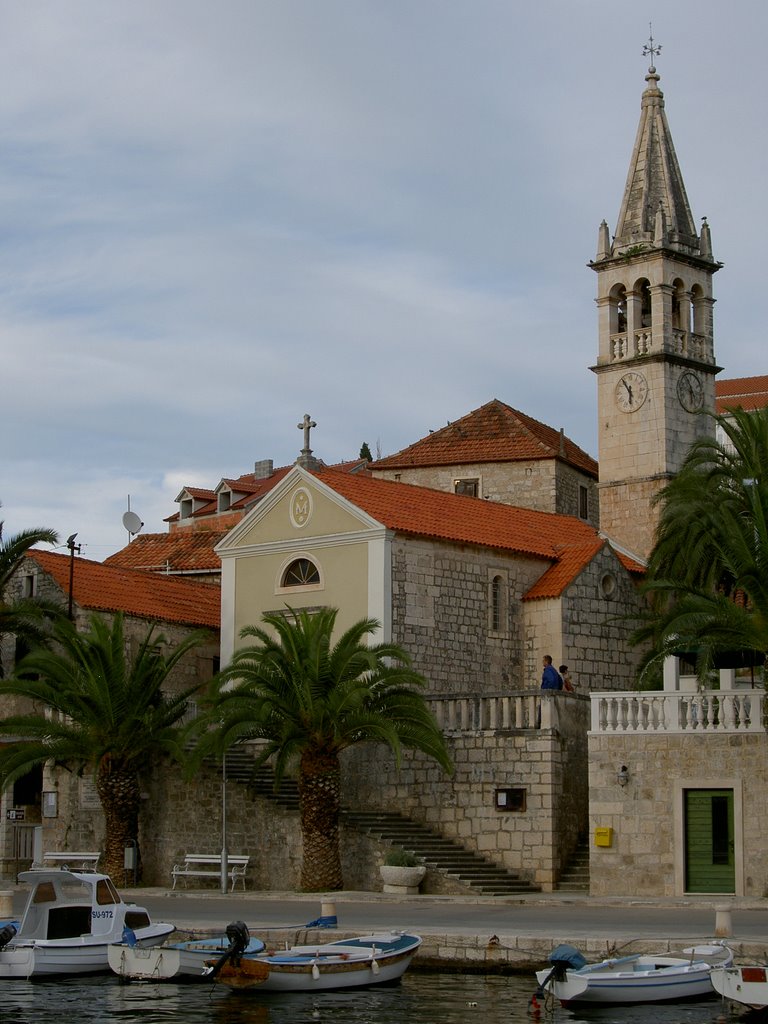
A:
[21,618]
[98,708]
[708,573]
[310,699]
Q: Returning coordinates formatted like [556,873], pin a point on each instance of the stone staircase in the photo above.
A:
[575,877]
[437,852]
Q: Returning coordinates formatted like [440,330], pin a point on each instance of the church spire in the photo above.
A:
[654,183]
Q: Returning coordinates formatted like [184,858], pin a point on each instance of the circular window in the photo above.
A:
[608,585]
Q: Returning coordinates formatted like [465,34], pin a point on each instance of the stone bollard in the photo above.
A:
[723,927]
[6,904]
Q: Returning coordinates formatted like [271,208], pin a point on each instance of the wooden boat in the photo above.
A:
[70,919]
[745,985]
[346,963]
[178,961]
[638,978]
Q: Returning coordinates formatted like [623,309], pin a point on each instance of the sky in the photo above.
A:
[217,217]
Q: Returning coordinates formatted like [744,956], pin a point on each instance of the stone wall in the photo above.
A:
[543,484]
[549,764]
[441,614]
[647,849]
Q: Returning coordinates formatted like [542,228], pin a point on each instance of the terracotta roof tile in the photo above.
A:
[750,393]
[571,561]
[493,433]
[423,512]
[100,587]
[181,550]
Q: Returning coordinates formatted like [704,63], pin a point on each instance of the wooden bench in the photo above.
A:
[207,865]
[70,860]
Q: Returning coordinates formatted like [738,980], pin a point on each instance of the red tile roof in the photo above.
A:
[182,550]
[750,393]
[99,587]
[493,433]
[423,512]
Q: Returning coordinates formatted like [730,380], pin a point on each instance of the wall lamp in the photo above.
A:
[622,775]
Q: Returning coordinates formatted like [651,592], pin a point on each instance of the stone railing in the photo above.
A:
[711,711]
[528,709]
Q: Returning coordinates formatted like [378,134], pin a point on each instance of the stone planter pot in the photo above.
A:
[403,881]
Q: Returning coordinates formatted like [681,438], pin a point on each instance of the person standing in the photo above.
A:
[550,677]
[566,677]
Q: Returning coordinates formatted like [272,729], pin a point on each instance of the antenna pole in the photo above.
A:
[72,549]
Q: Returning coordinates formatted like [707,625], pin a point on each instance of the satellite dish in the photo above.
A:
[131,522]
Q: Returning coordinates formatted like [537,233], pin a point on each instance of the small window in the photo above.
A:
[583,502]
[225,501]
[496,597]
[469,487]
[301,573]
[510,800]
[185,508]
[28,586]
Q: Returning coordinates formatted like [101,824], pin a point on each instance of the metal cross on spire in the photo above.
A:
[651,49]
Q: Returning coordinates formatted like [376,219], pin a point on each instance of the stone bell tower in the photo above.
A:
[656,364]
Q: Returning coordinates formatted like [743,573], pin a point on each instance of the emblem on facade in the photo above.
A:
[301,507]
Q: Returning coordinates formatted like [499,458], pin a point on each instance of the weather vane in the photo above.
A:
[651,49]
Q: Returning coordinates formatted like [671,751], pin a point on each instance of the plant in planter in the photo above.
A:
[402,872]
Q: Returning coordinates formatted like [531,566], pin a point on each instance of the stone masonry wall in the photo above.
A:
[441,611]
[644,813]
[549,764]
[543,484]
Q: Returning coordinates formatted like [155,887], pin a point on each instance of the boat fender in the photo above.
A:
[6,934]
[129,936]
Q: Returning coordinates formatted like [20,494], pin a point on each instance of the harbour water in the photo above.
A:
[420,997]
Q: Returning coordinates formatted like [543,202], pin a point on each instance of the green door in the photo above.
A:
[709,862]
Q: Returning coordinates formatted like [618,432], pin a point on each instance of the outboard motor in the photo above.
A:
[6,934]
[238,935]
[563,958]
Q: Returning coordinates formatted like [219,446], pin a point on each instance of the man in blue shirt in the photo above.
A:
[550,677]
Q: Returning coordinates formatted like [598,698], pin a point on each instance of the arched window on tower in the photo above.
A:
[699,310]
[497,604]
[300,573]
[681,307]
[618,309]
[644,290]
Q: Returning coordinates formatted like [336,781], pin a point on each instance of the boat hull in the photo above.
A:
[180,961]
[745,985]
[353,963]
[51,957]
[638,979]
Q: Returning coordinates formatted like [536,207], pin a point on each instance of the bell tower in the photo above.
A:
[656,364]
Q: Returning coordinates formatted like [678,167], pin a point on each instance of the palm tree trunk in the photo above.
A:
[120,796]
[319,788]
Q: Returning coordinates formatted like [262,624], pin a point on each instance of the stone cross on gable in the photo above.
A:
[306,458]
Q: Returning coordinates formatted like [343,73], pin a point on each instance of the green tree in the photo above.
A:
[310,699]
[23,617]
[365,452]
[101,709]
[707,575]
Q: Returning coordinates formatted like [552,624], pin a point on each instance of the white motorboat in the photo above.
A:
[745,985]
[70,919]
[177,961]
[641,978]
[345,963]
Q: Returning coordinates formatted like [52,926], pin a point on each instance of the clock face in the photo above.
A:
[631,392]
[690,391]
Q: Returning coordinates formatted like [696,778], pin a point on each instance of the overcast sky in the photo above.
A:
[215,217]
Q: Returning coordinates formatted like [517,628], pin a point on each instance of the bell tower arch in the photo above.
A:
[656,363]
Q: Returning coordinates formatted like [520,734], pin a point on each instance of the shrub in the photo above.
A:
[399,858]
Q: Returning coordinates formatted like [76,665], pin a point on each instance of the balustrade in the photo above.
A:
[705,711]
